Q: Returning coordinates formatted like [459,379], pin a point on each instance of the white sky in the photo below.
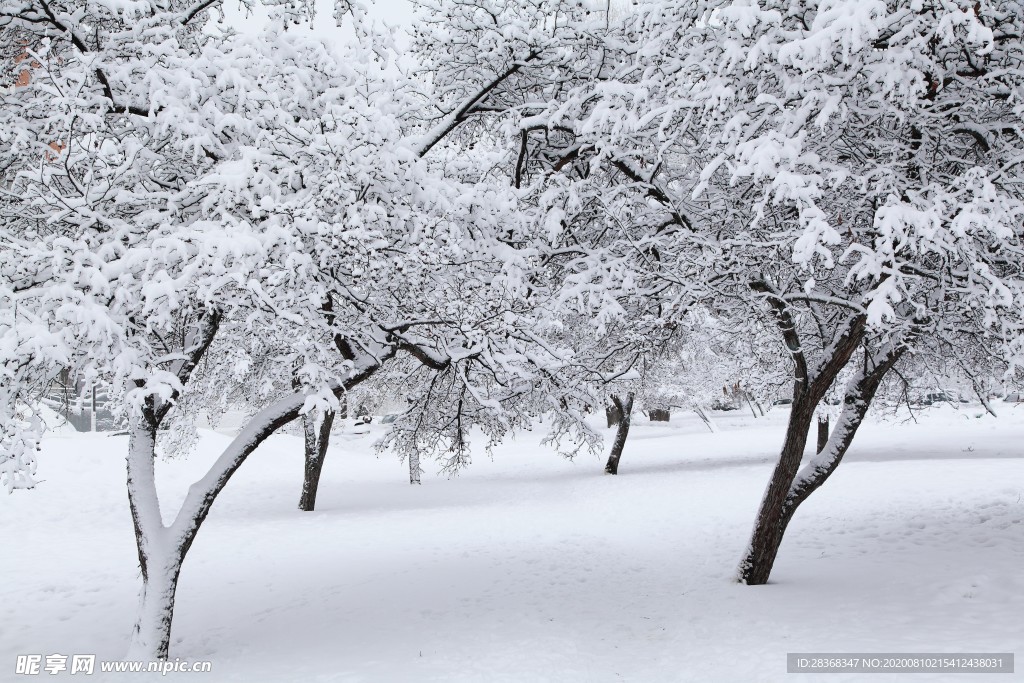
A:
[395,13]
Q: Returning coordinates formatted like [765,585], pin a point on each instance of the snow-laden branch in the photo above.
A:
[859,393]
[466,108]
[204,492]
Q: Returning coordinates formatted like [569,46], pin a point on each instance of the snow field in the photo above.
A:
[534,568]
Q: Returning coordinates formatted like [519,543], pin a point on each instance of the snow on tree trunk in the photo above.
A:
[414,467]
[160,561]
[809,387]
[786,492]
[624,407]
[750,404]
[151,637]
[161,548]
[316,428]
[613,414]
[767,535]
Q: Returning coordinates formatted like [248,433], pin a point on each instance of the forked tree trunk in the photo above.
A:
[162,548]
[787,491]
[624,406]
[823,427]
[316,438]
[808,390]
[767,536]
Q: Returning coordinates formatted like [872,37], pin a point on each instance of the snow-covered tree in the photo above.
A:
[174,217]
[208,188]
[848,170]
[717,361]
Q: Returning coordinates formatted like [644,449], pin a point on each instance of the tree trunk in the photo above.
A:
[415,471]
[860,392]
[659,415]
[613,414]
[151,637]
[756,566]
[750,403]
[160,564]
[162,549]
[823,426]
[808,390]
[790,487]
[316,437]
[625,410]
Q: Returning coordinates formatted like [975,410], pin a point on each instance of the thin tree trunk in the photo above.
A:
[751,404]
[415,471]
[625,410]
[823,426]
[706,419]
[316,438]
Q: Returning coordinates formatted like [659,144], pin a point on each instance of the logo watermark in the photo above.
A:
[899,662]
[34,665]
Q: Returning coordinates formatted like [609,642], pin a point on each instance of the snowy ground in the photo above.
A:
[533,568]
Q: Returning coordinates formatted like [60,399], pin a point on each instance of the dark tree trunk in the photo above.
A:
[856,401]
[789,488]
[767,537]
[613,414]
[659,415]
[822,432]
[624,406]
[316,440]
[808,391]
